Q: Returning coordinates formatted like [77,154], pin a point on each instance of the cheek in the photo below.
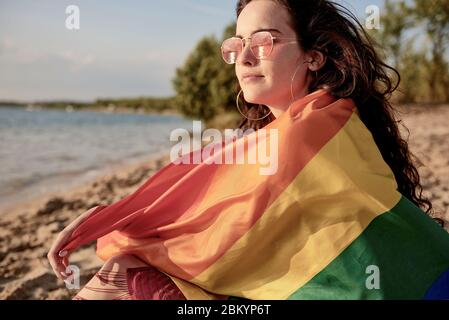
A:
[283,65]
[282,69]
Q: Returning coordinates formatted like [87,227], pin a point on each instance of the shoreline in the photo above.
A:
[59,190]
[107,110]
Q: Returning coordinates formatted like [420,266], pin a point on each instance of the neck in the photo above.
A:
[277,109]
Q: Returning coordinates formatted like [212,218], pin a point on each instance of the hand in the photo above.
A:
[60,261]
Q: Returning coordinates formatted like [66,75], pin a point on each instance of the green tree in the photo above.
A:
[192,81]
[396,19]
[413,68]
[423,68]
[434,15]
[205,85]
[224,85]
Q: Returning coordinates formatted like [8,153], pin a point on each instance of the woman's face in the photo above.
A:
[272,88]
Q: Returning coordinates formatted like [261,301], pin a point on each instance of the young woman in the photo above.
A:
[339,55]
[292,57]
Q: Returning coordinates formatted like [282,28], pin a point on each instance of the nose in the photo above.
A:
[246,57]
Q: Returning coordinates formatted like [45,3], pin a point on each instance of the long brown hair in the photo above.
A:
[353,69]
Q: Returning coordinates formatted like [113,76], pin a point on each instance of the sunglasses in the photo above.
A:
[261,45]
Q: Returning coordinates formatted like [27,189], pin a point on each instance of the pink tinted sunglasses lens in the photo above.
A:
[230,50]
[261,46]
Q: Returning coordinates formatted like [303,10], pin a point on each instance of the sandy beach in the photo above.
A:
[27,232]
[428,139]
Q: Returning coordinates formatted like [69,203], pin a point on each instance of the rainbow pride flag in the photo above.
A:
[328,223]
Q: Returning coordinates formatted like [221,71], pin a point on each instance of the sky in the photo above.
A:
[122,48]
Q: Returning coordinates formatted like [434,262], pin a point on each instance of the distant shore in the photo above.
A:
[144,106]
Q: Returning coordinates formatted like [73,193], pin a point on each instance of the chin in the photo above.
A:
[254,96]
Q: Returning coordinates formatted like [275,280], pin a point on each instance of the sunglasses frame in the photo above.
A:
[243,43]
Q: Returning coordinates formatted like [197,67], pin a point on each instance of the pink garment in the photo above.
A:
[141,283]
[148,283]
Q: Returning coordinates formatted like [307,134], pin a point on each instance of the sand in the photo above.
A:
[27,232]
[428,139]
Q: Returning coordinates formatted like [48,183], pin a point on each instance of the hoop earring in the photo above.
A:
[238,108]
[291,82]
[294,75]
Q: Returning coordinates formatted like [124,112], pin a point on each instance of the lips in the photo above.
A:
[251,76]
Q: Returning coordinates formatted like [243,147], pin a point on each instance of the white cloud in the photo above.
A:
[11,51]
[7,43]
[77,61]
[16,54]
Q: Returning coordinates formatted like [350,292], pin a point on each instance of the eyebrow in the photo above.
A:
[269,29]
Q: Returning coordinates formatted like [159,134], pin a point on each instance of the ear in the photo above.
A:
[315,59]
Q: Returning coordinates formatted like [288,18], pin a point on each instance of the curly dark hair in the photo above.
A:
[353,69]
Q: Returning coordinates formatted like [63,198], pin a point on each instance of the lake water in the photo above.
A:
[45,151]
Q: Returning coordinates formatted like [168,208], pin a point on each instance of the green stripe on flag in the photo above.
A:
[410,250]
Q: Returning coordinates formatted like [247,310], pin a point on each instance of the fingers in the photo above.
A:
[59,260]
[65,261]
[57,264]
